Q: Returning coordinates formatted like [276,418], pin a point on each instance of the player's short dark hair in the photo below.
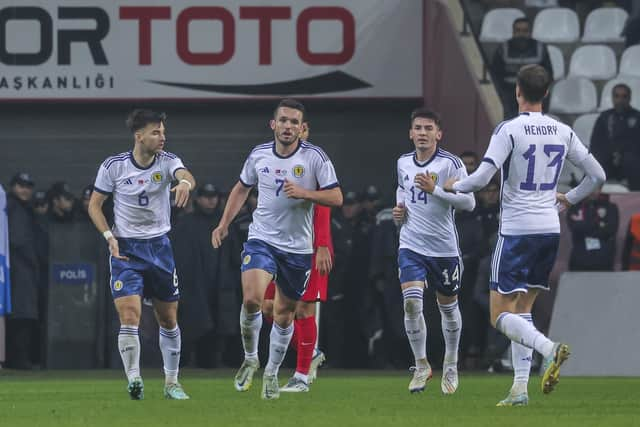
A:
[139,118]
[291,103]
[623,86]
[519,20]
[425,113]
[533,81]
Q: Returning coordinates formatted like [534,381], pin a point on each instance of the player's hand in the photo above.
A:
[294,191]
[399,213]
[562,201]
[448,185]
[182,190]
[323,260]
[218,235]
[114,250]
[424,182]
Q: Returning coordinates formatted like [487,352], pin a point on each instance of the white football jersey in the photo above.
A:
[141,203]
[278,220]
[531,150]
[430,228]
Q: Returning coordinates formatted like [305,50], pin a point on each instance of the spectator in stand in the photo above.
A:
[615,141]
[593,224]
[519,50]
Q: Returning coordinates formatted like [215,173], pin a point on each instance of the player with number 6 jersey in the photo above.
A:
[141,262]
[428,252]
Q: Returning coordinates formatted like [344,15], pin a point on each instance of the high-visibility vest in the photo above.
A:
[634,255]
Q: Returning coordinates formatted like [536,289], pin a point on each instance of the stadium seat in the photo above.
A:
[583,127]
[497,24]
[630,61]
[596,62]
[575,95]
[632,81]
[556,25]
[614,187]
[604,25]
[557,62]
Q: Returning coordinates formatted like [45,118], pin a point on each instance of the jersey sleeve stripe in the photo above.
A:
[490,161]
[176,170]
[101,191]
[330,186]
[244,183]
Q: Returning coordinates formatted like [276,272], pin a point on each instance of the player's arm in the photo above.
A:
[237,198]
[97,216]
[463,201]
[186,183]
[594,173]
[327,197]
[593,179]
[322,238]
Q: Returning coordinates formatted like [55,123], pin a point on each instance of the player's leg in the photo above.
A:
[451,322]
[254,283]
[258,270]
[412,276]
[521,356]
[306,331]
[170,344]
[279,339]
[126,289]
[129,309]
[305,334]
[293,276]
[445,275]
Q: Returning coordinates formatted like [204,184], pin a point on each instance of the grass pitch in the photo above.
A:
[338,398]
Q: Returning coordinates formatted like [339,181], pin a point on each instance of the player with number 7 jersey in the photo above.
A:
[428,252]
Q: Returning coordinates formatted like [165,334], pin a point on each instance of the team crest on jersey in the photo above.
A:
[434,177]
[298,171]
[246,260]
[156,177]
[117,285]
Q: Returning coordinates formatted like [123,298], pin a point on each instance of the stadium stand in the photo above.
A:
[596,62]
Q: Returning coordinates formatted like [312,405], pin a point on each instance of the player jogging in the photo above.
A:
[529,150]
[429,252]
[291,175]
[141,260]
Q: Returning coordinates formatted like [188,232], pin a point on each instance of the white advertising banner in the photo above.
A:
[190,49]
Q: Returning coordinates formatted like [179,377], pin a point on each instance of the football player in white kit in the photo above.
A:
[428,252]
[141,258]
[530,151]
[291,176]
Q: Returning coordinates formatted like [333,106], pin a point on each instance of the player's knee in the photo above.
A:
[305,309]
[413,307]
[252,304]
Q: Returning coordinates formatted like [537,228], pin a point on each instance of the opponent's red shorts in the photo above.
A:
[316,289]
